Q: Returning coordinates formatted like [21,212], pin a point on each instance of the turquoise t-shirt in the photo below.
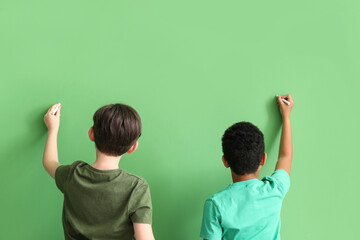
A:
[246,210]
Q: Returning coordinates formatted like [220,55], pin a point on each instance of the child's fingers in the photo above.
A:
[289,98]
[280,102]
[52,108]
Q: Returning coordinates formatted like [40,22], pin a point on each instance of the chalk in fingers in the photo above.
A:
[284,100]
[56,109]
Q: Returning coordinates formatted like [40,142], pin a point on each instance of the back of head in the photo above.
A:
[116,128]
[243,146]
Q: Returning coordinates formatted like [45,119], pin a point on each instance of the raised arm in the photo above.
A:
[50,158]
[286,148]
[143,231]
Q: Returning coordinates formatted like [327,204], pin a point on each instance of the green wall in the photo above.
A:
[191,68]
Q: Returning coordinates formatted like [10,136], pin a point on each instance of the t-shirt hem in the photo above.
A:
[142,220]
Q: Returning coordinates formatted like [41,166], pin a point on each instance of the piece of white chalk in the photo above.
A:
[284,100]
[56,108]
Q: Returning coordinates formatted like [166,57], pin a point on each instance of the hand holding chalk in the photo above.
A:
[284,100]
[286,103]
[52,118]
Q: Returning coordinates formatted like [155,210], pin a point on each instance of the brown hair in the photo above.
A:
[116,128]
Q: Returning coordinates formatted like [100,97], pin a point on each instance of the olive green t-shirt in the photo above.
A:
[102,204]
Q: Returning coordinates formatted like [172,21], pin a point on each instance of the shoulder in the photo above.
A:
[222,193]
[78,164]
[68,168]
[211,206]
[218,197]
[279,176]
[134,179]
[138,188]
[280,180]
[74,165]
[63,174]
[132,176]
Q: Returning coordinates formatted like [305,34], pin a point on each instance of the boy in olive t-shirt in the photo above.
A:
[249,208]
[102,201]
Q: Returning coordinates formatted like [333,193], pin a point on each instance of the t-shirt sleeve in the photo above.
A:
[62,176]
[280,179]
[211,223]
[140,207]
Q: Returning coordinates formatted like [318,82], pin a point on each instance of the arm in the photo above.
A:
[50,157]
[143,231]
[286,149]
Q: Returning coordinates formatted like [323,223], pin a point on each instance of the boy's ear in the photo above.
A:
[226,164]
[91,134]
[263,159]
[133,147]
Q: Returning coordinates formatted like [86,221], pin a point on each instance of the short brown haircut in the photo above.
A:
[116,128]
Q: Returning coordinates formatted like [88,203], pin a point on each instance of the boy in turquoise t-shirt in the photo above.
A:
[249,208]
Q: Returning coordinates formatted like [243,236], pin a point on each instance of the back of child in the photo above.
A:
[249,208]
[103,201]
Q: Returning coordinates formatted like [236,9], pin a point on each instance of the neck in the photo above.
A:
[245,177]
[106,162]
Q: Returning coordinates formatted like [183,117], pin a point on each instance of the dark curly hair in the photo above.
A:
[116,128]
[243,146]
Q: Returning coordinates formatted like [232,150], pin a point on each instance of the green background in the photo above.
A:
[191,69]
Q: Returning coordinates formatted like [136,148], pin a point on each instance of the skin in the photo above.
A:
[142,231]
[285,150]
